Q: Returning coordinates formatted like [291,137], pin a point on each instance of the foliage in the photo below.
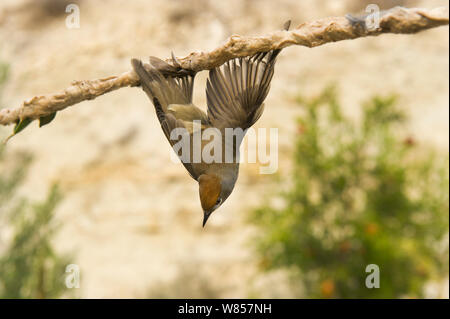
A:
[359,196]
[23,123]
[29,265]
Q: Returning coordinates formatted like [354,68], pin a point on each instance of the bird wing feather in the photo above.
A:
[235,92]
[172,98]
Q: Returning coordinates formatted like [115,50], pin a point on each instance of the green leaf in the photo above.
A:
[44,120]
[19,127]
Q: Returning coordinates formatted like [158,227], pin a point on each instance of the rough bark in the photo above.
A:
[398,20]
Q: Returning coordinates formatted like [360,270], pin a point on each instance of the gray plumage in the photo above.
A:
[235,93]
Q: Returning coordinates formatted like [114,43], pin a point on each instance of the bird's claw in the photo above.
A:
[357,22]
[173,70]
[175,61]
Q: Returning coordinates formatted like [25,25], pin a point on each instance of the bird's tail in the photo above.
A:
[163,90]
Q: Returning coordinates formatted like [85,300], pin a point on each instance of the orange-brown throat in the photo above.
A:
[210,187]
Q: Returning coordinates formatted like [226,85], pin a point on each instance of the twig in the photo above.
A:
[310,34]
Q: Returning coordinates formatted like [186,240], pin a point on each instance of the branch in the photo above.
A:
[311,34]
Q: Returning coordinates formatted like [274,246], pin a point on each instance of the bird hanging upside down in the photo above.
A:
[235,94]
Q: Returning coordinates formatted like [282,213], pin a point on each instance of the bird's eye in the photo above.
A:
[219,200]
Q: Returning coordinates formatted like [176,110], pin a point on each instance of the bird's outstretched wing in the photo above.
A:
[172,98]
[235,91]
[167,89]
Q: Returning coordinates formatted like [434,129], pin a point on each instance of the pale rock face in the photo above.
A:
[133,217]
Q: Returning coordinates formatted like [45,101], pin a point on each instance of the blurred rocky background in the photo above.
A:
[129,217]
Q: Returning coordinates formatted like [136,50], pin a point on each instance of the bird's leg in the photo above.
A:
[357,22]
[370,21]
[173,70]
[176,63]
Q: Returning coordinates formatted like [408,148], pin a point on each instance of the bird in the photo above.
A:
[235,92]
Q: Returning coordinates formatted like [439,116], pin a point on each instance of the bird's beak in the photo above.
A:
[205,217]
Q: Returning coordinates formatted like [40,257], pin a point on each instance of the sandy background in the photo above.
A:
[131,217]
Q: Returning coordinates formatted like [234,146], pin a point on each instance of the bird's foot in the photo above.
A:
[173,70]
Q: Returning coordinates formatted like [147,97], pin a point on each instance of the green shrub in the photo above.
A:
[29,266]
[360,195]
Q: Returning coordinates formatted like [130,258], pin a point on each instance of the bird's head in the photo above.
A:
[213,192]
